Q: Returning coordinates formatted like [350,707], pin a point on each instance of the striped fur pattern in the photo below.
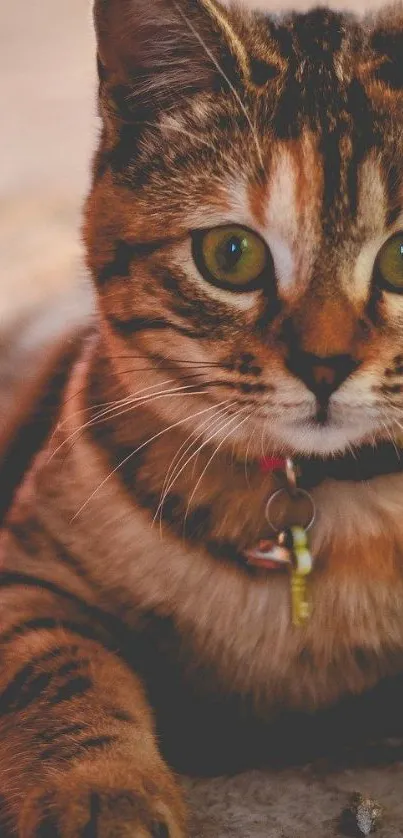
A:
[123,586]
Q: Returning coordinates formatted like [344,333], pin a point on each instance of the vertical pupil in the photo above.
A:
[232,252]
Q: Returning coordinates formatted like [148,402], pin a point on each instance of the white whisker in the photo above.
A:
[148,399]
[215,452]
[175,463]
[133,453]
[391,437]
[138,401]
[174,472]
[246,458]
[226,79]
[111,404]
[198,450]
[389,431]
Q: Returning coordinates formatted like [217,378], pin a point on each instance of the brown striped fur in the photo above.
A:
[123,584]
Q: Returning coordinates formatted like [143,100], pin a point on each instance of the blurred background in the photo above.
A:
[47,134]
[48,131]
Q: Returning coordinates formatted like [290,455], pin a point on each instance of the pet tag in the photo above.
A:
[289,548]
[269,554]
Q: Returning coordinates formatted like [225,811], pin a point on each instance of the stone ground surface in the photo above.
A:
[48,130]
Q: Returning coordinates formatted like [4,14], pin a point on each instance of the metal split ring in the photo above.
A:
[292,495]
[291,476]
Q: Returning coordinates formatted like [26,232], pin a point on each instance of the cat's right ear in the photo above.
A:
[385,67]
[153,52]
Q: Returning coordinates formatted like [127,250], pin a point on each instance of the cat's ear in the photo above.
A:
[160,50]
[386,45]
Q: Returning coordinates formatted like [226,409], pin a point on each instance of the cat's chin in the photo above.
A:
[314,438]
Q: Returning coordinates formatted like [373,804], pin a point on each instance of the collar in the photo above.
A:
[358,465]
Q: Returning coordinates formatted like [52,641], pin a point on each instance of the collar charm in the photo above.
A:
[289,549]
[302,566]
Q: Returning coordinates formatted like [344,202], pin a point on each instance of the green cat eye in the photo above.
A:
[231,257]
[389,264]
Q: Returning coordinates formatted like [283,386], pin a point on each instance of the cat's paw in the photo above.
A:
[105,800]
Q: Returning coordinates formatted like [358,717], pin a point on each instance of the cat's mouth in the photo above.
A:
[322,414]
[330,430]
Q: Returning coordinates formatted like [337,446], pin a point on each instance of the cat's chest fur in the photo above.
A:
[228,624]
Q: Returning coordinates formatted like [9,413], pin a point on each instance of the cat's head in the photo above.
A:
[245,225]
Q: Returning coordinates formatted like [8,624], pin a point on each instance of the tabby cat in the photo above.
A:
[244,232]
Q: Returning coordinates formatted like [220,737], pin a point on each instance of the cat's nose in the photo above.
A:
[323,375]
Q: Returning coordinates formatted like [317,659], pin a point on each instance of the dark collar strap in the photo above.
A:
[358,466]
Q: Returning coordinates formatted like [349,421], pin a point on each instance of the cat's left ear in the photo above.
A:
[386,46]
[152,53]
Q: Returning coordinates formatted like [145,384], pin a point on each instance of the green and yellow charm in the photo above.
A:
[289,549]
[302,567]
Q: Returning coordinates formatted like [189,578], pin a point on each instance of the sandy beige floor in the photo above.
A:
[48,130]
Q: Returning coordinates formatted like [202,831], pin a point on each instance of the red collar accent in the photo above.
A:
[268,464]
[358,465]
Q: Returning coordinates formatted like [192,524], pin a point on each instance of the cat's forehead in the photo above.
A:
[329,129]
[302,42]
[322,70]
[308,236]
[298,116]
[326,46]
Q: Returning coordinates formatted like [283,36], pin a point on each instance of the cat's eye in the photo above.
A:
[231,257]
[389,264]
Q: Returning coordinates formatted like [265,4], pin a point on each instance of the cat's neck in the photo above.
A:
[170,465]
[211,499]
[191,570]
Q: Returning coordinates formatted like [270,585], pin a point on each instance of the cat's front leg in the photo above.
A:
[105,797]
[78,755]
